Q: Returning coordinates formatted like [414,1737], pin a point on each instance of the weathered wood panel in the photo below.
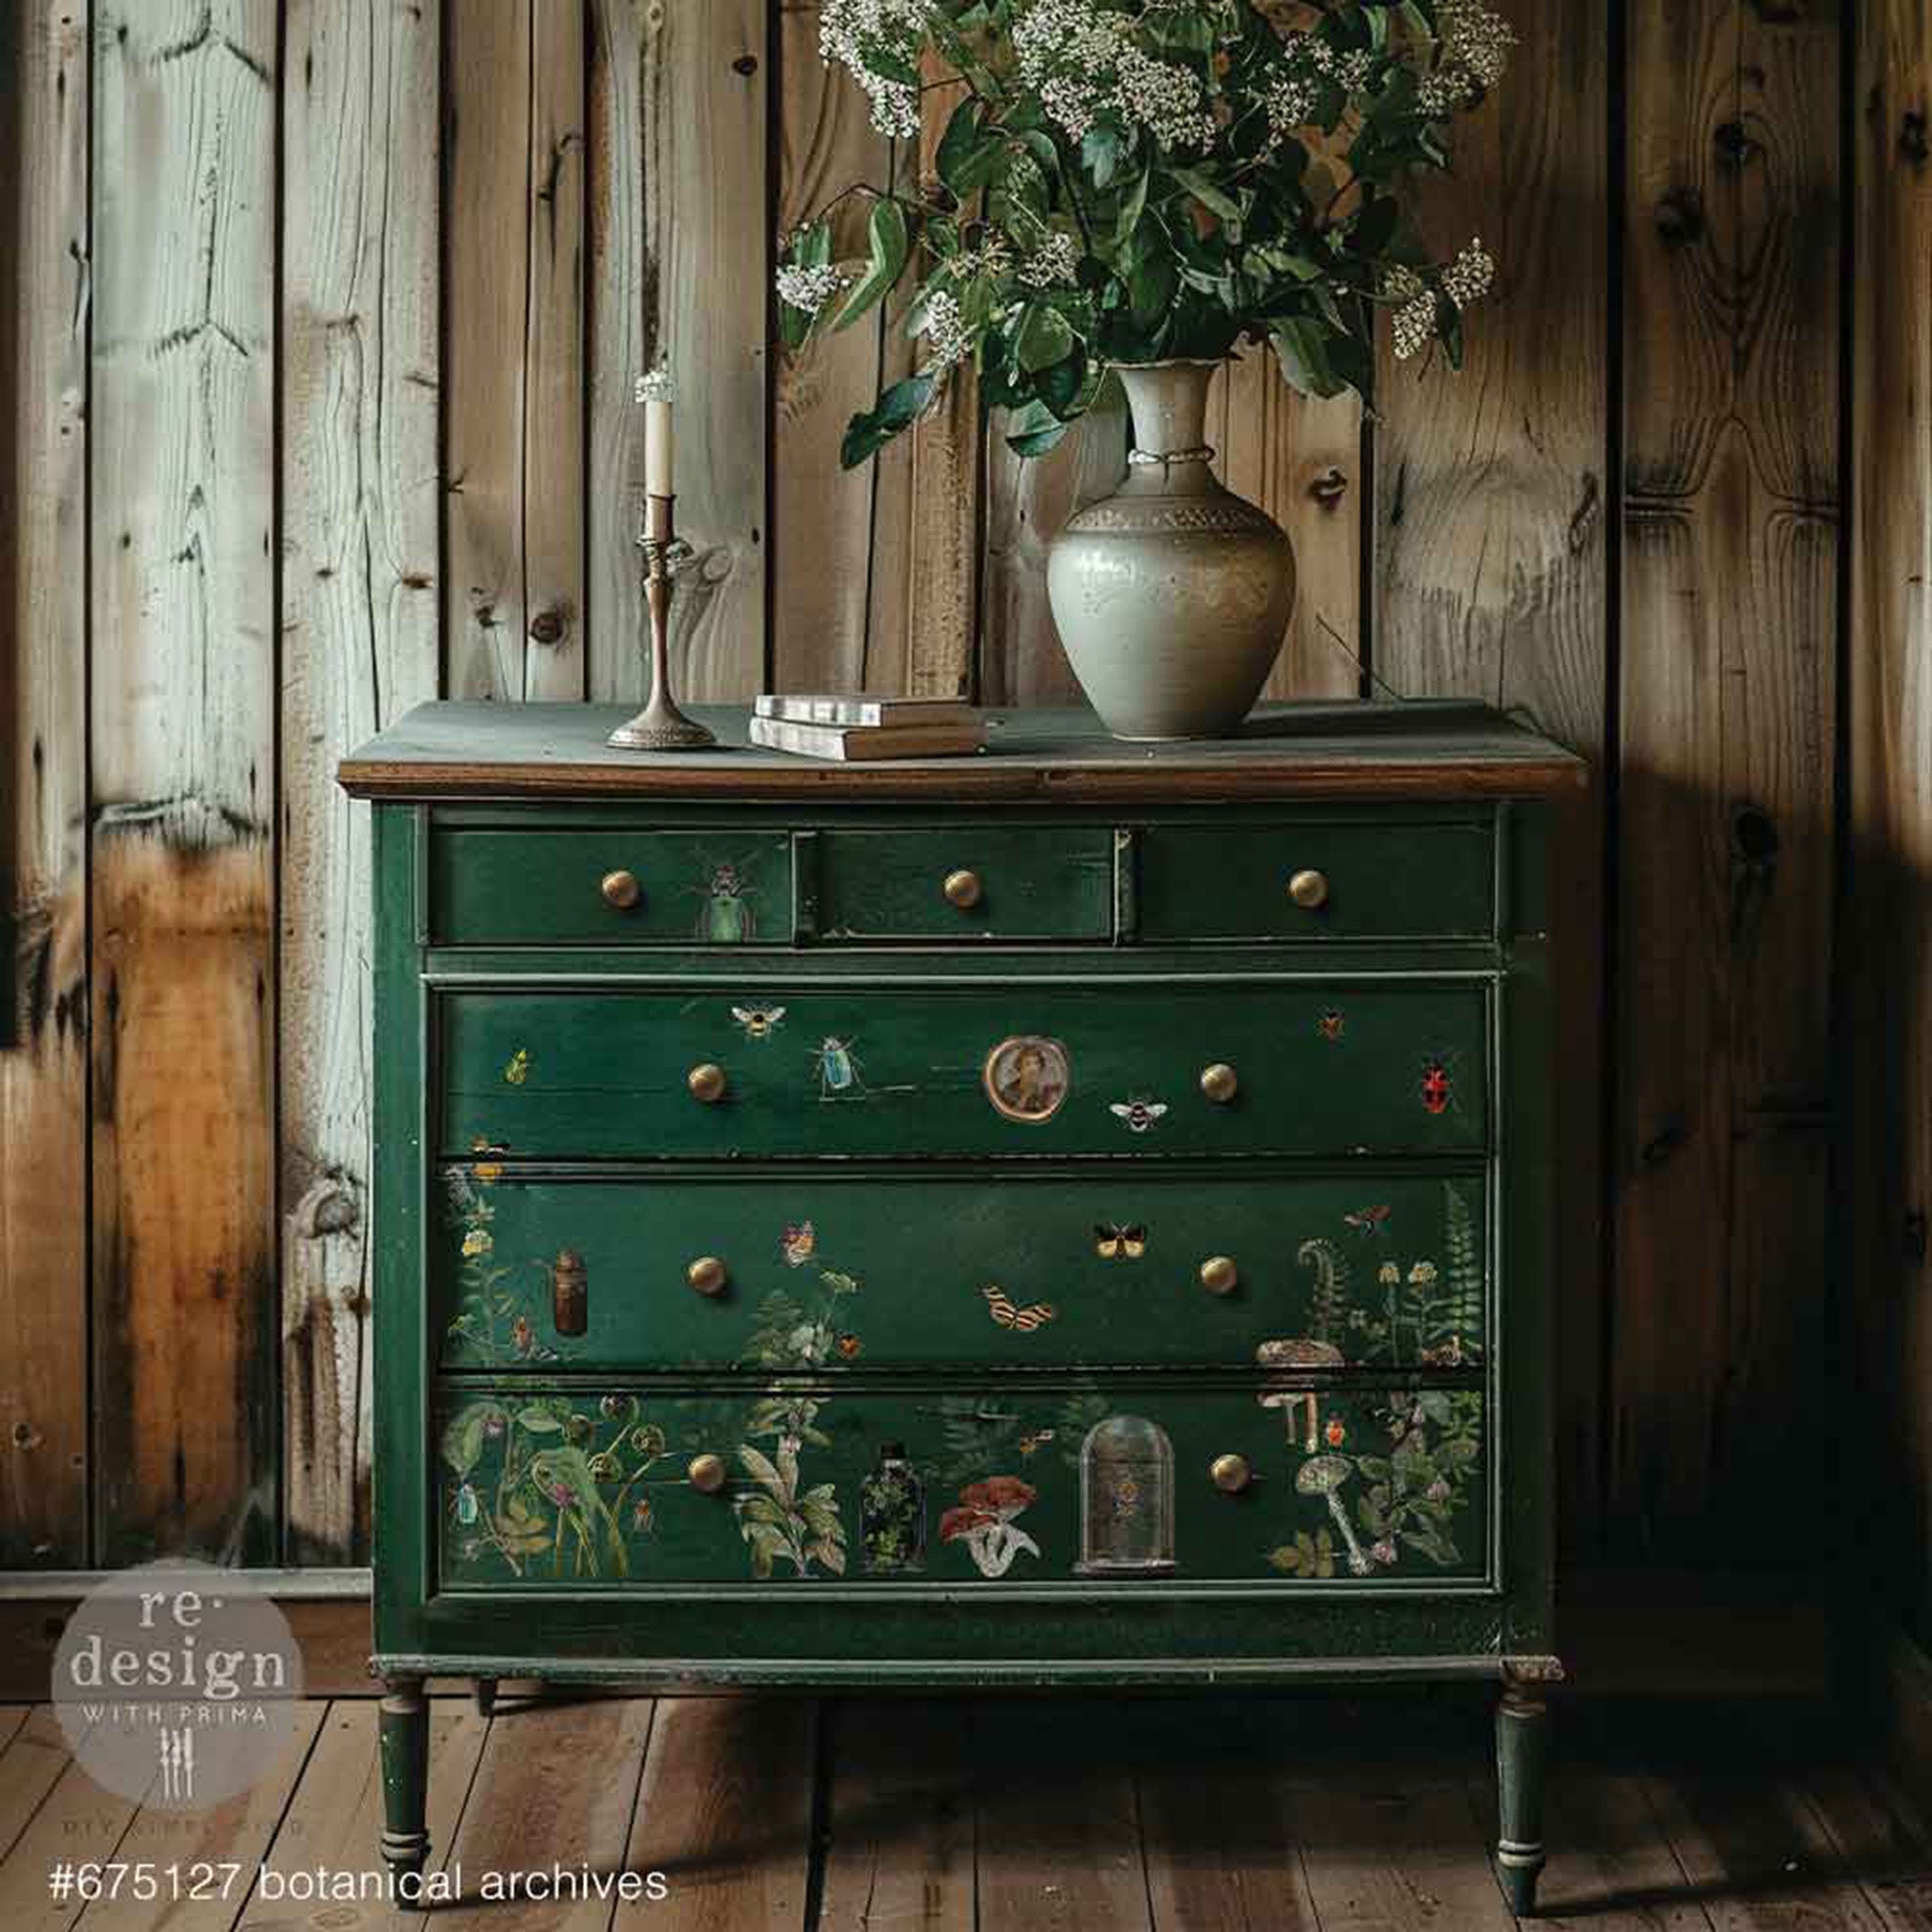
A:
[822,516]
[1726,822]
[935,470]
[182,685]
[614,241]
[554,394]
[708,253]
[1490,550]
[1889,1106]
[43,341]
[486,113]
[359,629]
[1027,504]
[1301,461]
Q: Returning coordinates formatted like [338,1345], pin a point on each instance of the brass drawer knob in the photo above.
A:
[706,1474]
[1231,1474]
[1219,1275]
[620,890]
[706,1083]
[1219,1083]
[1310,890]
[963,888]
[707,1274]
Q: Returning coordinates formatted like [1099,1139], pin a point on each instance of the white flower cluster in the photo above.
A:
[1472,54]
[657,387]
[1082,60]
[1413,325]
[944,326]
[992,258]
[1290,102]
[1468,278]
[853,33]
[1053,264]
[809,288]
[1294,93]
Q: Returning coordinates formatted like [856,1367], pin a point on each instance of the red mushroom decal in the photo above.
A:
[984,1522]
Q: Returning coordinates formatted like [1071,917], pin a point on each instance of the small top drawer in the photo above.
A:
[1318,878]
[614,888]
[961,881]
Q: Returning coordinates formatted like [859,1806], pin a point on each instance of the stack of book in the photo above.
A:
[854,728]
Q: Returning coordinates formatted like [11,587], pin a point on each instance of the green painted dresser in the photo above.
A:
[1075,1215]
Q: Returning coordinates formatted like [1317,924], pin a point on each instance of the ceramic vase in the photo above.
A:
[1172,596]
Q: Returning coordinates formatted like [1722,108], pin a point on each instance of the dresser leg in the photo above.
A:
[403,1727]
[1523,1730]
[486,1696]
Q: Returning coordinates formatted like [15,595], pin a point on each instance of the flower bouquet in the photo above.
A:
[1126,182]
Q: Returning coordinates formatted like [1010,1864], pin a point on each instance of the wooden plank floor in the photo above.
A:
[1319,1814]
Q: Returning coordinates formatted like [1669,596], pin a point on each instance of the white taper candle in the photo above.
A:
[655,393]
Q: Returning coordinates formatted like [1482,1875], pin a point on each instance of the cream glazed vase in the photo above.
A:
[1172,596]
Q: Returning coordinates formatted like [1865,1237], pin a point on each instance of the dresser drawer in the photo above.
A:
[969,1490]
[962,881]
[938,1270]
[1318,878]
[614,888]
[1021,1068]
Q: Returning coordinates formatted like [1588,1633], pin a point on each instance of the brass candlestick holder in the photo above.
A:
[661,725]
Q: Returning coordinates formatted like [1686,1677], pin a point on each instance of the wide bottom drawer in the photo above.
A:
[1285,1484]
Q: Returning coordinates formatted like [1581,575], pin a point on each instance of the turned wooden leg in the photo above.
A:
[486,1696]
[403,1727]
[1523,1730]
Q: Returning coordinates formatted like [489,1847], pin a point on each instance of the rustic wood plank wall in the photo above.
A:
[1886,1106]
[320,386]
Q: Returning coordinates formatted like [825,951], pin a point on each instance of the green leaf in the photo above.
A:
[1032,430]
[1301,347]
[1102,151]
[1044,336]
[966,153]
[890,244]
[1210,197]
[871,429]
[463,1434]
[540,1421]
[762,1472]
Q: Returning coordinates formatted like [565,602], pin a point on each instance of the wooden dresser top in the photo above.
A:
[1427,749]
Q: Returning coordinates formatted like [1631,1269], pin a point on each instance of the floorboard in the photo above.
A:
[334,1823]
[725,1814]
[31,1763]
[230,1841]
[1311,1814]
[1056,1817]
[898,1818]
[554,1794]
[1219,1830]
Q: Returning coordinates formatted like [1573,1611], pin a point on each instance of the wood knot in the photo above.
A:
[546,627]
[1658,1151]
[1732,142]
[334,1213]
[1680,215]
[1329,488]
[1915,1236]
[1913,143]
[26,1436]
[745,66]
